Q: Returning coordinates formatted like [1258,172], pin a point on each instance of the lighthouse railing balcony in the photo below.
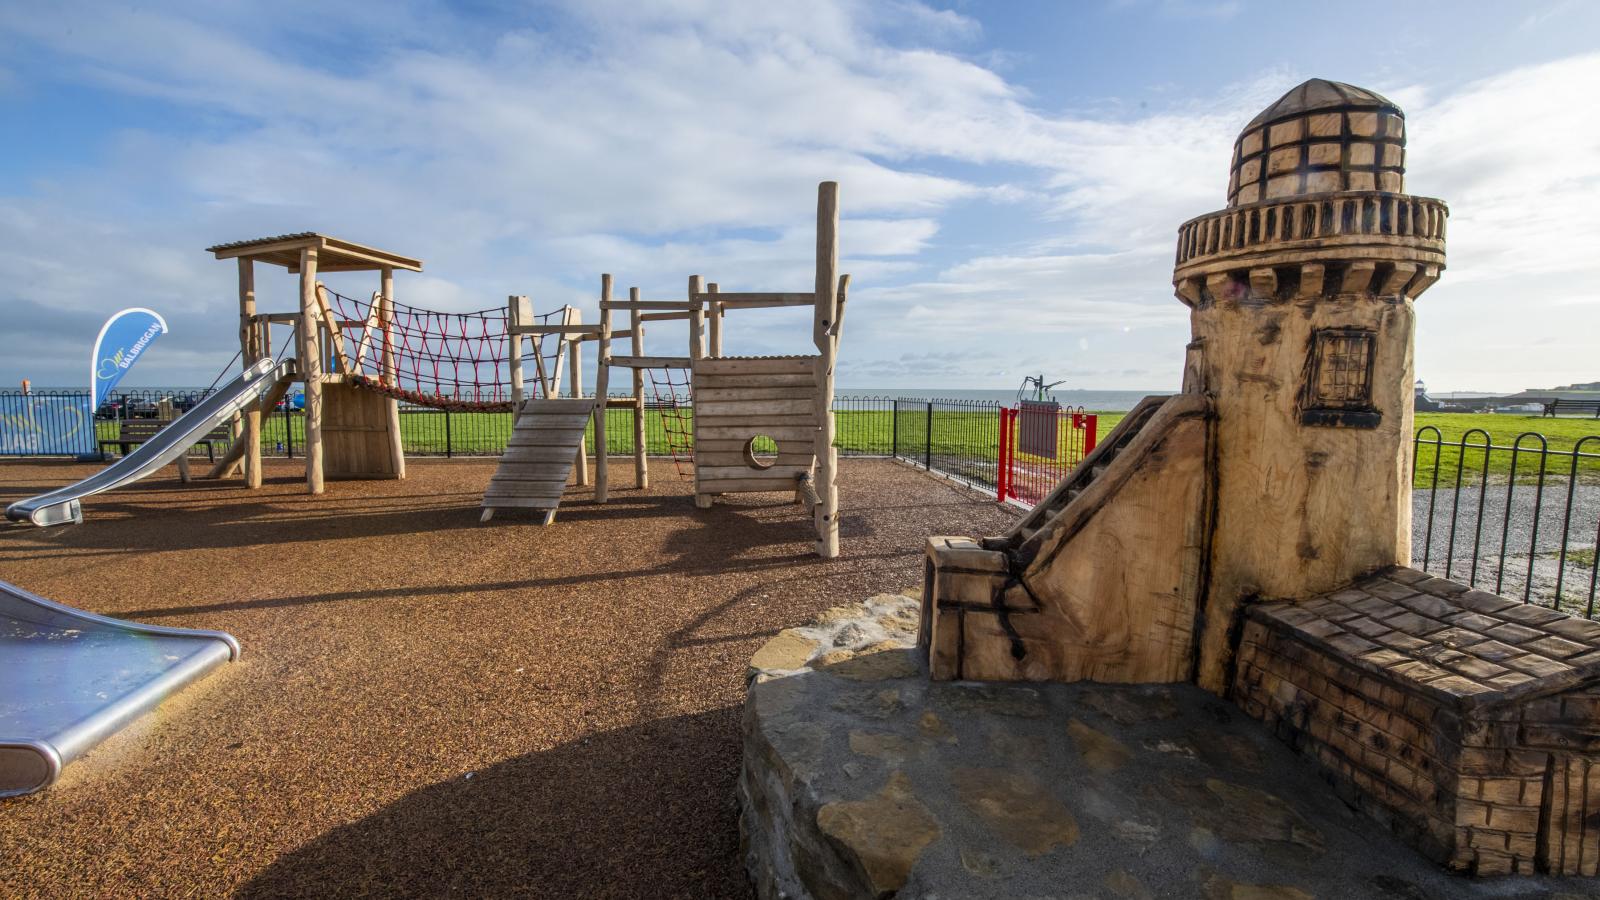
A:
[1313,222]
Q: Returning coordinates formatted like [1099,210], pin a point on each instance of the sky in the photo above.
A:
[1012,174]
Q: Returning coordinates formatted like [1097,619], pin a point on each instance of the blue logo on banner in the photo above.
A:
[41,424]
[122,341]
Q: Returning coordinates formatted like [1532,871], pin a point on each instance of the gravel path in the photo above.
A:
[1527,509]
[427,706]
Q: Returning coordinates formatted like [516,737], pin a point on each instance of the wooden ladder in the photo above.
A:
[539,456]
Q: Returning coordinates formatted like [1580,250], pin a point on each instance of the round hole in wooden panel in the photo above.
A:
[760,452]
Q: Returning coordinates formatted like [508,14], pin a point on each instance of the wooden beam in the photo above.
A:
[697,320]
[264,405]
[641,462]
[515,307]
[311,366]
[573,316]
[575,376]
[369,329]
[650,362]
[251,350]
[559,329]
[595,335]
[335,333]
[629,305]
[826,513]
[388,371]
[662,317]
[602,380]
[715,312]
[762,300]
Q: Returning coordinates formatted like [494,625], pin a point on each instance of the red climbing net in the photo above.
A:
[439,359]
[677,415]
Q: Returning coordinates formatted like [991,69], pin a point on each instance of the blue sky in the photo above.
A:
[1013,174]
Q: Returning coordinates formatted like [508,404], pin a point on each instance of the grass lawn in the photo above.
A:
[973,436]
[1476,430]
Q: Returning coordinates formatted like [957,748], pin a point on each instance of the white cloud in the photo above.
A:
[653,140]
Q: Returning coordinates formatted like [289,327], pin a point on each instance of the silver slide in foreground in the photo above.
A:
[69,679]
[61,506]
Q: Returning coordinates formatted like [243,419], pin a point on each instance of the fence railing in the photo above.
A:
[1521,520]
[57,423]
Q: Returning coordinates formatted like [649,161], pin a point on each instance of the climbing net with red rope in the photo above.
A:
[438,359]
[677,415]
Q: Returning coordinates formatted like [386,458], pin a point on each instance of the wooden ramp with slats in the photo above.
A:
[539,457]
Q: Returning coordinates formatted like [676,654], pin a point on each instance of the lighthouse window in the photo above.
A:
[1338,389]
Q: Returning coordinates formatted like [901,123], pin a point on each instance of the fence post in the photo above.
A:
[894,430]
[1002,475]
[1090,424]
[288,427]
[447,448]
[927,446]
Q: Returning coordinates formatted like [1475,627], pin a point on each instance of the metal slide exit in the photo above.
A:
[69,679]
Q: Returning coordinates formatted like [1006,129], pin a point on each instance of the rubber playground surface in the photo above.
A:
[426,706]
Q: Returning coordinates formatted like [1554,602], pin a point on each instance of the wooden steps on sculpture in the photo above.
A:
[539,457]
[1042,603]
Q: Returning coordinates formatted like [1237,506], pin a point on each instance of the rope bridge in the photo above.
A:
[453,361]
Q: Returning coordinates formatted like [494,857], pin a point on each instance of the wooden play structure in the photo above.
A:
[357,359]
[350,432]
[738,402]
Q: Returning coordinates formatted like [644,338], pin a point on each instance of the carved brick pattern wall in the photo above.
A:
[1320,152]
[1442,712]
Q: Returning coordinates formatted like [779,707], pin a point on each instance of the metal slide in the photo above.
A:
[61,506]
[69,679]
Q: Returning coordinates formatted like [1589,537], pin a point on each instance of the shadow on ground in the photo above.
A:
[623,813]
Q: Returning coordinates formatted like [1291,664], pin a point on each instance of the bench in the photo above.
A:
[1551,407]
[133,432]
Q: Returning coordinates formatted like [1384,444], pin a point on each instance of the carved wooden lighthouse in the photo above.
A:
[1280,471]
[1301,291]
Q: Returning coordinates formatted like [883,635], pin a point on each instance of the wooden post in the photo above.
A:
[716,323]
[570,315]
[575,383]
[697,319]
[641,449]
[697,350]
[826,513]
[250,350]
[166,412]
[388,373]
[602,378]
[311,363]
[515,307]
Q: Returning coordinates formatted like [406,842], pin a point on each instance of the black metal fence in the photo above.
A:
[1521,520]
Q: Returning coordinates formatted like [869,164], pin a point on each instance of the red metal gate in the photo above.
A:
[1026,477]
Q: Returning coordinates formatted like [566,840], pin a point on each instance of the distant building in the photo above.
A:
[1420,399]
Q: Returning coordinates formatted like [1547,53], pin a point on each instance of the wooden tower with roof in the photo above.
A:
[349,432]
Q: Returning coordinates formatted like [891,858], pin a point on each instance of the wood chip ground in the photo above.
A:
[430,707]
